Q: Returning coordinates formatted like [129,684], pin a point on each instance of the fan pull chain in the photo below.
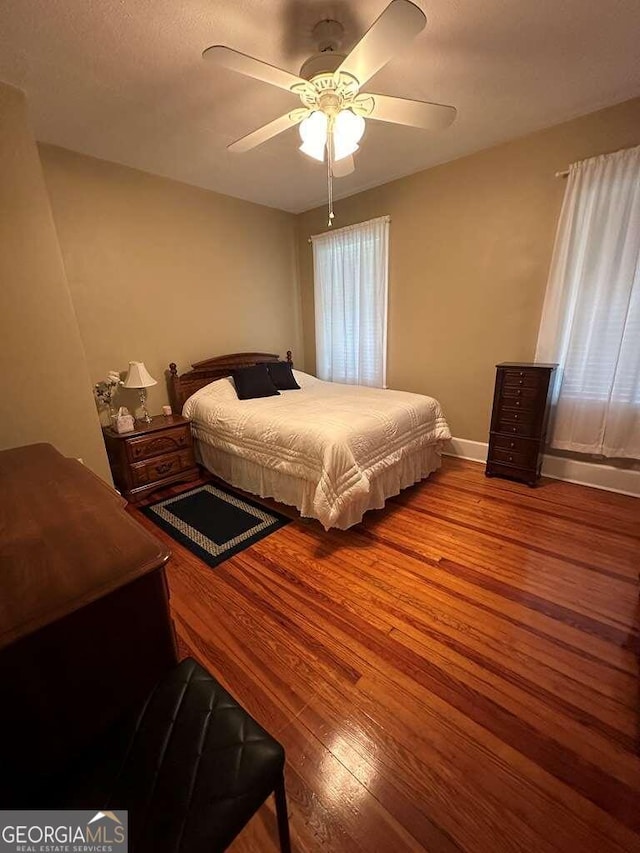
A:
[330,174]
[330,192]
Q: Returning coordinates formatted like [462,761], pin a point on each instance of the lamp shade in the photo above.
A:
[313,132]
[347,132]
[138,376]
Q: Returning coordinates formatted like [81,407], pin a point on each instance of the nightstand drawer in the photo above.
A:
[169,441]
[155,470]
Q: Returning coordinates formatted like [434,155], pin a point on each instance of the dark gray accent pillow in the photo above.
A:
[252,382]
[281,374]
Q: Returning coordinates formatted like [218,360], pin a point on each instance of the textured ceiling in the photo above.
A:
[124,80]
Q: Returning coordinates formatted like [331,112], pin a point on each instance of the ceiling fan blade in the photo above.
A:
[251,67]
[343,167]
[414,113]
[400,22]
[267,131]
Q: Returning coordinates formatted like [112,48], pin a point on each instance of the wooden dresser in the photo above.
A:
[521,407]
[152,456]
[84,610]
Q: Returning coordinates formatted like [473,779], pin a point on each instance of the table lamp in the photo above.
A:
[139,377]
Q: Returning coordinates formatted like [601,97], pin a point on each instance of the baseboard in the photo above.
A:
[622,480]
[464,448]
[599,476]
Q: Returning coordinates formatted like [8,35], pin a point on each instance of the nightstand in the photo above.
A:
[152,456]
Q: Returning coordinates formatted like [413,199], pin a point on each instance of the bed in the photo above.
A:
[333,451]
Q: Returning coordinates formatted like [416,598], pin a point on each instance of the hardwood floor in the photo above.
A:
[459,672]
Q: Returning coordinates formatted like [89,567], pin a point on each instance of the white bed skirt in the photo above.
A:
[267,483]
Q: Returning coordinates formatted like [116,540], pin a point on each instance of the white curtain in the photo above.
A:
[591,316]
[350,268]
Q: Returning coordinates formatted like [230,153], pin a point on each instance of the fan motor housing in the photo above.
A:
[321,63]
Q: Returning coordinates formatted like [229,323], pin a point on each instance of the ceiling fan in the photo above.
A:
[333,111]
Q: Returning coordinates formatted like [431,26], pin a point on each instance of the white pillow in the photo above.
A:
[220,389]
[304,380]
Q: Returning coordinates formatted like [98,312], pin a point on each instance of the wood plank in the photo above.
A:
[408,531]
[565,679]
[458,672]
[554,496]
[578,542]
[485,697]
[316,778]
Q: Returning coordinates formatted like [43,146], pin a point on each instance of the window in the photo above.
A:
[591,316]
[351,283]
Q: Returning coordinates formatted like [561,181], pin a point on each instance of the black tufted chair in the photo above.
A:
[190,765]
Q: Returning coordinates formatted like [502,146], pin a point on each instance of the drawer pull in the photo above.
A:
[153,446]
[521,382]
[521,373]
[517,402]
[514,429]
[166,466]
[516,416]
[518,392]
[512,444]
[510,458]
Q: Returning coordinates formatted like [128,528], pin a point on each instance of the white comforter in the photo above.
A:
[338,437]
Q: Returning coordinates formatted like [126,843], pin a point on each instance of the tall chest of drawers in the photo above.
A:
[521,408]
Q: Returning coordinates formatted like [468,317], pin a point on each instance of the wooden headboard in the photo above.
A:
[203,372]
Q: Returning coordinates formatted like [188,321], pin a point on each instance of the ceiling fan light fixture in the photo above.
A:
[334,107]
[342,149]
[347,132]
[313,132]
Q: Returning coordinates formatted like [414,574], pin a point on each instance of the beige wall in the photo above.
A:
[470,247]
[44,382]
[161,271]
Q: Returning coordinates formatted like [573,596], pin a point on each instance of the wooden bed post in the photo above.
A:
[289,360]
[173,387]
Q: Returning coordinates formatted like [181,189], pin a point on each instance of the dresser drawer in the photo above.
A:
[507,442]
[516,472]
[513,413]
[519,426]
[168,441]
[526,458]
[157,469]
[514,410]
[522,378]
[511,450]
[515,397]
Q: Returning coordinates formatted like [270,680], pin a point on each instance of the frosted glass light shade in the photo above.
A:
[313,132]
[138,376]
[347,132]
